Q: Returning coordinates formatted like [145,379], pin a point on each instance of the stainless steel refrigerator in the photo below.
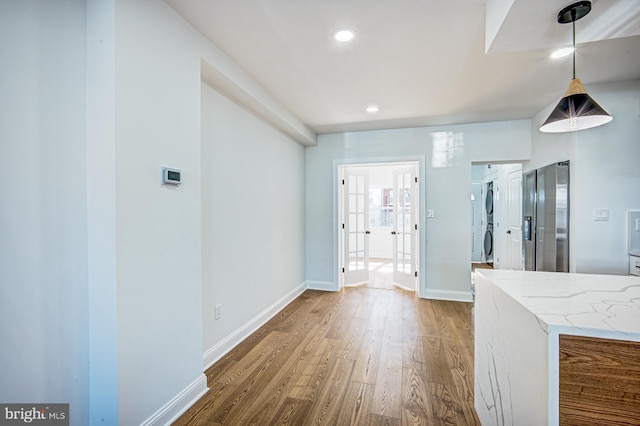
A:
[545,222]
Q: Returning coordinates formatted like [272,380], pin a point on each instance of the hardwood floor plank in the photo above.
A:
[379,310]
[366,306]
[356,402]
[250,362]
[416,408]
[202,411]
[308,302]
[464,319]
[292,412]
[361,356]
[314,375]
[290,320]
[219,368]
[412,351]
[446,410]
[378,420]
[235,405]
[331,308]
[427,320]
[435,360]
[458,359]
[233,409]
[266,401]
[352,340]
[387,398]
[326,404]
[366,366]
[410,315]
[412,348]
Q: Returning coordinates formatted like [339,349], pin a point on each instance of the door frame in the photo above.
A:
[337,205]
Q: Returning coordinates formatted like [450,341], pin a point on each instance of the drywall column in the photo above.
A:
[101,213]
[43,208]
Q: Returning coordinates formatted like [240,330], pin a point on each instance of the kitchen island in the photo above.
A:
[556,348]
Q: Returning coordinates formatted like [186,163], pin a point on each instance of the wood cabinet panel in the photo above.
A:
[599,381]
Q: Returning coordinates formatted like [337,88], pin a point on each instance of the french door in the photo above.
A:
[405,227]
[356,226]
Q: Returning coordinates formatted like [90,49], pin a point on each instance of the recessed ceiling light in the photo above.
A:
[372,109]
[562,52]
[344,34]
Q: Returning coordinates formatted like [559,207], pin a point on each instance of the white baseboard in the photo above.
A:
[220,349]
[452,295]
[321,285]
[179,404]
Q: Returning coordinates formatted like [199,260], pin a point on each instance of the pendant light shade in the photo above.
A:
[576,110]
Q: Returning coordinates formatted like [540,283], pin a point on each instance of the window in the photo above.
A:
[380,207]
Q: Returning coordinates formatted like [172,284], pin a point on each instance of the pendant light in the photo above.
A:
[576,110]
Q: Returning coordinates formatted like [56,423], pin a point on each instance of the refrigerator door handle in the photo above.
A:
[527,228]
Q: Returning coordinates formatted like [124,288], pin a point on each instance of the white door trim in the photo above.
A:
[421,160]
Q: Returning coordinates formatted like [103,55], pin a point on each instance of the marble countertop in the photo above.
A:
[606,306]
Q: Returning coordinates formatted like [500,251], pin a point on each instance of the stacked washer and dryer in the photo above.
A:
[488,234]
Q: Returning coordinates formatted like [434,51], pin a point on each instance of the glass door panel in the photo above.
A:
[405,228]
[356,232]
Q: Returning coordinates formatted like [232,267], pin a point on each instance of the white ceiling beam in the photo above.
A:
[236,84]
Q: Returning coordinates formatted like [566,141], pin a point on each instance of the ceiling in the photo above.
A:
[424,62]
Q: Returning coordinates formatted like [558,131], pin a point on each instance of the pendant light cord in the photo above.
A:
[573,24]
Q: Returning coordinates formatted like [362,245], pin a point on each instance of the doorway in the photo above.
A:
[378,218]
[496,199]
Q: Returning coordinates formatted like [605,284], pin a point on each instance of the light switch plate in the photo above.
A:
[601,214]
[431,213]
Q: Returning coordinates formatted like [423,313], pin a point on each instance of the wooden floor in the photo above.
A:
[475,266]
[362,356]
[381,274]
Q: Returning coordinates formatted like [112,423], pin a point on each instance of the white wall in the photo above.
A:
[252,217]
[159,239]
[98,261]
[448,153]
[604,173]
[43,218]
[158,242]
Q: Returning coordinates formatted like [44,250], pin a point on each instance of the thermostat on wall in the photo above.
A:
[171,176]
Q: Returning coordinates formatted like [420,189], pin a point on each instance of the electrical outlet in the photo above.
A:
[218,311]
